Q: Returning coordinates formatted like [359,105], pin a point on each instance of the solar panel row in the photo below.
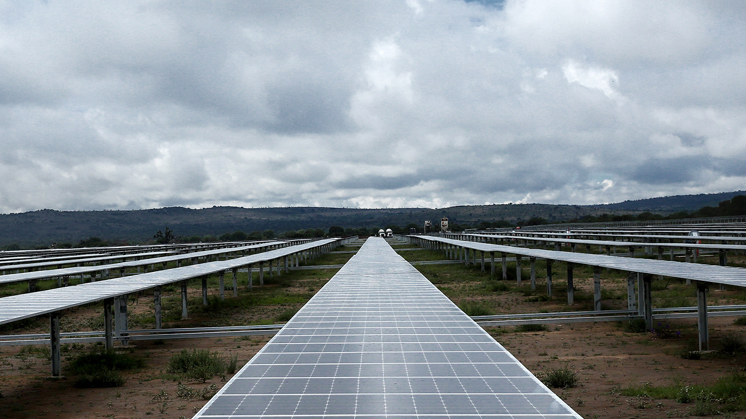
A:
[380,340]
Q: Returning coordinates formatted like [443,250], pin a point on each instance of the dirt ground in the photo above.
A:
[605,358]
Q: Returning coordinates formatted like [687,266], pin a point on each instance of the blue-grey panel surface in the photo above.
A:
[379,340]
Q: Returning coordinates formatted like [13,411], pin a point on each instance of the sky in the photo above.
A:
[371,104]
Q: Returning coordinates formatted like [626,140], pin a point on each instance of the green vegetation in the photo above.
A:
[198,365]
[531,328]
[476,308]
[560,378]
[101,368]
[727,394]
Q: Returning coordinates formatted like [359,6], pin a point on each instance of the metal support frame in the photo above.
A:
[549,278]
[597,288]
[120,318]
[570,291]
[108,330]
[631,298]
[518,269]
[704,333]
[157,305]
[533,273]
[648,301]
[204,291]
[261,273]
[482,261]
[505,265]
[54,339]
[492,265]
[184,312]
[251,277]
[234,271]
[640,295]
[221,286]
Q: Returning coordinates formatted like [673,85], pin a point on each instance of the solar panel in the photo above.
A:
[380,340]
[726,275]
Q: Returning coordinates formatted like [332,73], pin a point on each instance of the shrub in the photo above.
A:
[198,364]
[99,379]
[684,395]
[497,286]
[561,378]
[531,328]
[102,359]
[475,308]
[232,365]
[286,315]
[740,321]
[732,344]
[635,326]
[101,368]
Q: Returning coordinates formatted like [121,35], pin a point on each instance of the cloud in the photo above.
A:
[374,103]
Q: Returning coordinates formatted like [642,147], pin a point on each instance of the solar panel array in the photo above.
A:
[726,275]
[18,307]
[380,340]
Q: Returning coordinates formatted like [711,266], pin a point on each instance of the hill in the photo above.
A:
[45,227]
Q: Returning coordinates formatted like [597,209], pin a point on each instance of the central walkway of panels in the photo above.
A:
[380,340]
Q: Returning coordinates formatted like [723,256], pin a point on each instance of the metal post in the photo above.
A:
[648,298]
[597,288]
[54,340]
[221,281]
[121,320]
[492,265]
[285,260]
[532,260]
[482,260]
[261,273]
[640,295]
[505,266]
[184,312]
[570,294]
[549,278]
[157,304]
[466,252]
[235,282]
[108,332]
[251,276]
[704,334]
[204,290]
[518,269]
[631,298]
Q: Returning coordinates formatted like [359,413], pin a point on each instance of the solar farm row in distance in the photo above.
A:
[726,275]
[701,274]
[629,236]
[18,307]
[379,340]
[607,243]
[39,264]
[43,262]
[81,270]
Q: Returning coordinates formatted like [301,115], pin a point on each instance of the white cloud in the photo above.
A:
[370,103]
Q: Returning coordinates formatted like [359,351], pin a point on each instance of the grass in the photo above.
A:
[727,394]
[531,328]
[101,368]
[199,364]
[560,378]
[476,308]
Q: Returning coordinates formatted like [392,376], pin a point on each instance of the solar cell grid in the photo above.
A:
[380,341]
